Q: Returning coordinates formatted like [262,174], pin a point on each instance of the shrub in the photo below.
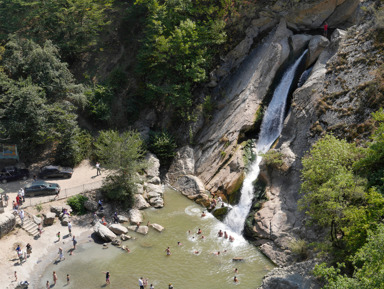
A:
[163,145]
[77,204]
[273,158]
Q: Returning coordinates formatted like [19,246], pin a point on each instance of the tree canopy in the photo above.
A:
[123,155]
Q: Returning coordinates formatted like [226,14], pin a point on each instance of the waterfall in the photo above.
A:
[270,130]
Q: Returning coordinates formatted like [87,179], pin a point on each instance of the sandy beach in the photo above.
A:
[46,247]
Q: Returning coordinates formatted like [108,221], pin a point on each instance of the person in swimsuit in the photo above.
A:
[168,251]
[54,276]
[107,277]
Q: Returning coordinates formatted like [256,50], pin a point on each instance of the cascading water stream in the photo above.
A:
[270,130]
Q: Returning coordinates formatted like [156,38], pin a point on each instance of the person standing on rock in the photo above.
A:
[325,29]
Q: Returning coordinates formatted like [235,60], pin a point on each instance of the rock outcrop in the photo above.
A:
[49,218]
[7,223]
[103,232]
[297,276]
[118,229]
[135,216]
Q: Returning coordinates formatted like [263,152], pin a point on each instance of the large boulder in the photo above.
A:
[152,188]
[140,203]
[37,220]
[299,41]
[343,13]
[103,232]
[317,44]
[59,209]
[65,219]
[124,237]
[141,229]
[312,15]
[157,227]
[153,165]
[118,229]
[135,216]
[190,185]
[49,219]
[91,205]
[183,164]
[297,276]
[7,223]
[157,202]
[122,219]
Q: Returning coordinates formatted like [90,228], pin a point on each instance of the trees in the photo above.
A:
[72,25]
[178,47]
[38,100]
[371,165]
[368,264]
[334,197]
[42,64]
[123,154]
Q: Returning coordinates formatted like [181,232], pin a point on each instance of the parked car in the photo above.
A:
[41,188]
[55,172]
[13,174]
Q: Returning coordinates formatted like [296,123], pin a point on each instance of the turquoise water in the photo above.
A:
[148,259]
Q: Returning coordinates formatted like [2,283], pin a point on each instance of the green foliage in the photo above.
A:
[38,95]
[42,64]
[99,103]
[77,204]
[372,164]
[180,40]
[335,198]
[273,158]
[299,247]
[163,145]
[208,107]
[72,25]
[75,146]
[39,207]
[368,264]
[123,155]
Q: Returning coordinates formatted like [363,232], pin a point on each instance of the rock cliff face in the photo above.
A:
[333,98]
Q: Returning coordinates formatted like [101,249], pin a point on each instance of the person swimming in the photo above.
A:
[199,231]
[168,251]
[220,234]
[235,279]
[225,235]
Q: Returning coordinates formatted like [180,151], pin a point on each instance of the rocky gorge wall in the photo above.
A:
[333,99]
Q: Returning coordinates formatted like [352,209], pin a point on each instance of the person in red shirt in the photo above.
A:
[325,29]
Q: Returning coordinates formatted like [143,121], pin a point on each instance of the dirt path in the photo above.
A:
[41,248]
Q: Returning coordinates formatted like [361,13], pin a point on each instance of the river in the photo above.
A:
[183,268]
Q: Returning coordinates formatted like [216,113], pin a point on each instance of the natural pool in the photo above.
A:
[148,259]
